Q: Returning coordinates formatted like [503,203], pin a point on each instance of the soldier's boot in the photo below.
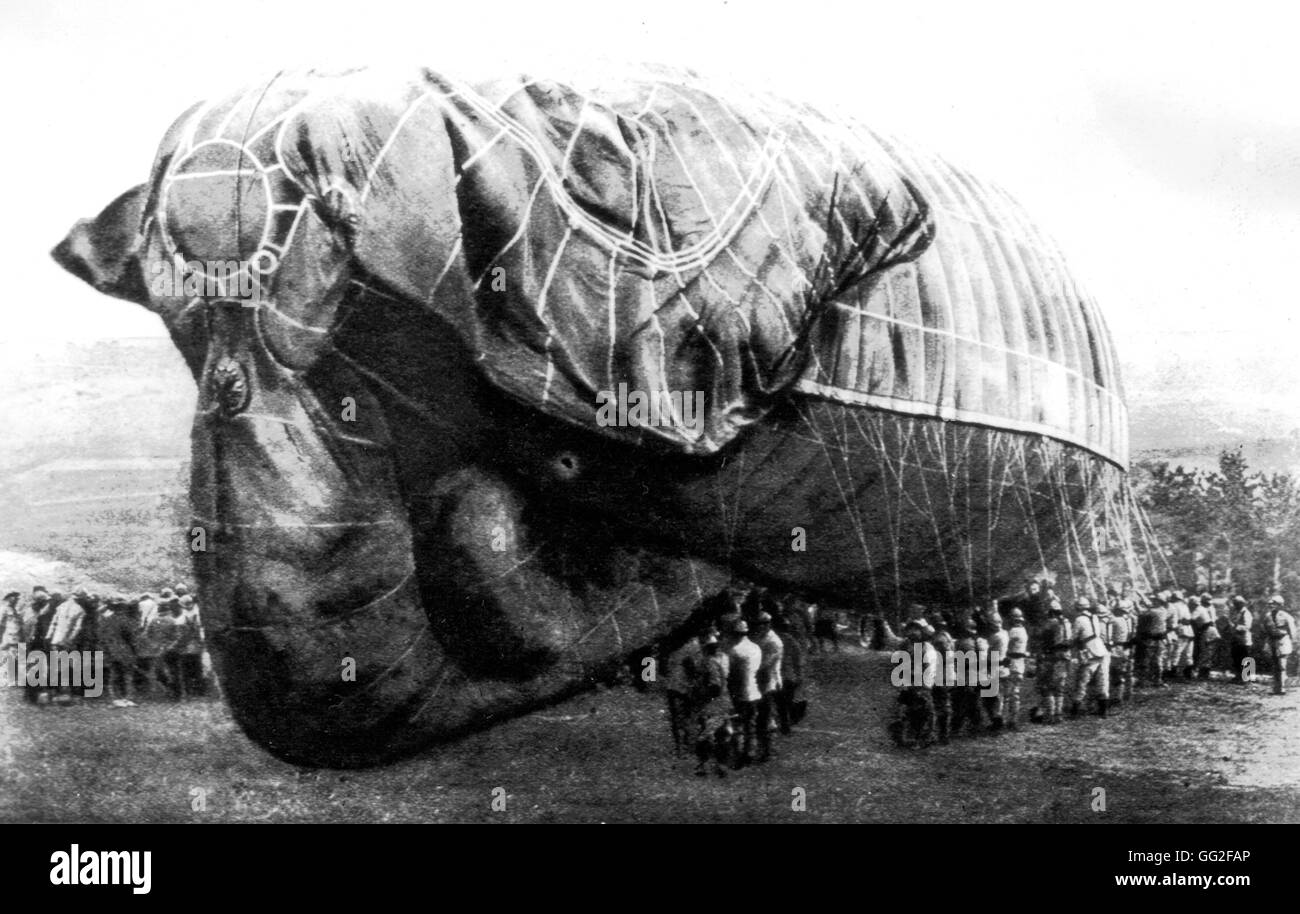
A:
[1054,707]
[941,725]
[1103,706]
[1204,673]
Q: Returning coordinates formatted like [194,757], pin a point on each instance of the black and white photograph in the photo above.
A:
[694,412]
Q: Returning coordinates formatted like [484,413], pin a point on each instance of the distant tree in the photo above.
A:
[1231,529]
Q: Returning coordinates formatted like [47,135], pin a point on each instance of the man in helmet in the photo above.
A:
[682,665]
[1281,631]
[1152,625]
[913,723]
[710,705]
[965,695]
[1054,662]
[992,644]
[1017,651]
[66,629]
[1182,638]
[745,657]
[1206,631]
[944,672]
[1241,622]
[1123,631]
[1093,657]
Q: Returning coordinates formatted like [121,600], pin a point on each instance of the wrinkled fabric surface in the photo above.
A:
[650,234]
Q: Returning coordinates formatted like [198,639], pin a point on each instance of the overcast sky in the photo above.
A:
[1161,146]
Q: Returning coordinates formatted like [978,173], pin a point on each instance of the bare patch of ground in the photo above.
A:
[1195,752]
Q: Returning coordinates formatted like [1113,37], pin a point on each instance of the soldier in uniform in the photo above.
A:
[711,707]
[744,658]
[965,697]
[11,622]
[1240,624]
[1153,629]
[1093,658]
[1054,662]
[1281,631]
[914,723]
[37,617]
[944,672]
[65,631]
[1205,629]
[994,664]
[1123,633]
[117,635]
[769,681]
[1182,662]
[1017,648]
[790,707]
[682,664]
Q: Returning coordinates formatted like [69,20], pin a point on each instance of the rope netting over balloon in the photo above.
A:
[944,512]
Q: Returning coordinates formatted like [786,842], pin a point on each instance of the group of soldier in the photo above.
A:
[736,680]
[151,645]
[1088,660]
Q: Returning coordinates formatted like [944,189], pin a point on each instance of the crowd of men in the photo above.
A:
[151,645]
[737,680]
[1087,660]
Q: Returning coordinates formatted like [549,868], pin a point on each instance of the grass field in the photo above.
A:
[1203,752]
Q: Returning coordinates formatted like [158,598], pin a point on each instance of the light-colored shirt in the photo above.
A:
[148,609]
[1121,632]
[1017,648]
[1090,636]
[66,626]
[1281,630]
[746,657]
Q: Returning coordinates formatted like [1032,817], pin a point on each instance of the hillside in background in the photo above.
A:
[95,462]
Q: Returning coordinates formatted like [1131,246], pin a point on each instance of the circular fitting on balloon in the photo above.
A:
[566,465]
[230,386]
[264,262]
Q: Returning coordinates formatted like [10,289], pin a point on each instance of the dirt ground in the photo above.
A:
[1199,752]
